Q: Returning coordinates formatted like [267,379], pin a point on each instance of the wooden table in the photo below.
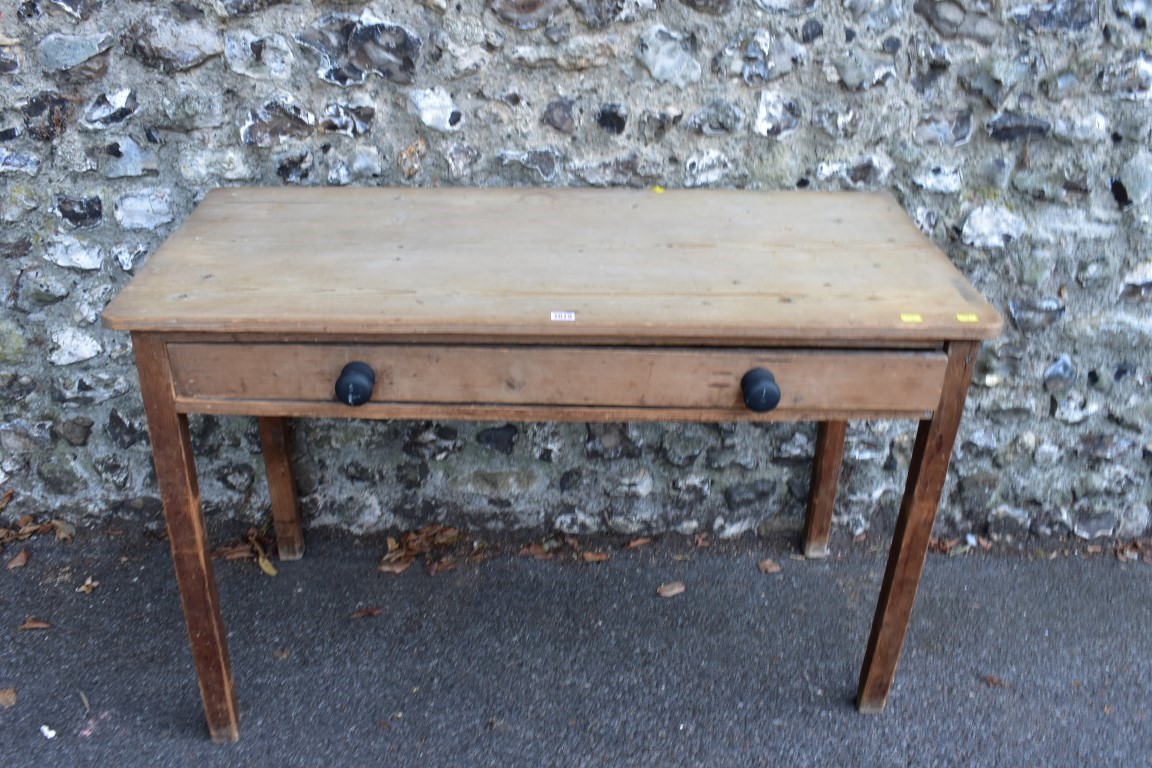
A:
[549,305]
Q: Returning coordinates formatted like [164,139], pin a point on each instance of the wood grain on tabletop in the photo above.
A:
[632,265]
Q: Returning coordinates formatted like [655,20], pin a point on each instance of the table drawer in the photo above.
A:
[543,376]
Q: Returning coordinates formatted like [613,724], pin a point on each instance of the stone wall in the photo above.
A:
[1016,136]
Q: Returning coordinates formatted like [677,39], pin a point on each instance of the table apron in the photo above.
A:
[554,383]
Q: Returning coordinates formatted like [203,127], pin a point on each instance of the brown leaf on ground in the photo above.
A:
[32,623]
[65,531]
[395,562]
[984,543]
[640,542]
[443,565]
[6,499]
[536,550]
[702,540]
[767,565]
[943,546]
[1094,549]
[994,682]
[261,558]
[7,698]
[594,557]
[671,589]
[281,654]
[428,538]
[1129,552]
[19,560]
[364,613]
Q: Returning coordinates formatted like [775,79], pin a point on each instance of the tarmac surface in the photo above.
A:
[509,660]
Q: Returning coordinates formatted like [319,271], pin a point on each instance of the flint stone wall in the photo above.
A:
[1016,135]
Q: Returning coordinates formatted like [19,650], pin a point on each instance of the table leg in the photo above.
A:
[180,493]
[926,475]
[822,496]
[281,487]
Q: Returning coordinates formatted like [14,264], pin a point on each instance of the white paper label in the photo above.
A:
[563,317]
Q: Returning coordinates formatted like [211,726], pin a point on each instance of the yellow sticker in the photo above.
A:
[658,190]
[963,318]
[910,317]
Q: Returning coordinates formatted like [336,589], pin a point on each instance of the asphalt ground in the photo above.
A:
[507,660]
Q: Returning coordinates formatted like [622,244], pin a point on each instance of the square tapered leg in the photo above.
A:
[822,496]
[180,493]
[926,475]
[281,487]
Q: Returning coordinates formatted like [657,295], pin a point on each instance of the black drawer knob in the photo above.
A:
[761,393]
[354,386]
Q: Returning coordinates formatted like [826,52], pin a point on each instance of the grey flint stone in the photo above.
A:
[58,51]
[668,56]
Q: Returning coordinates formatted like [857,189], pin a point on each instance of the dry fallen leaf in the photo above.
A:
[538,551]
[6,498]
[281,654]
[443,565]
[1127,552]
[671,589]
[7,698]
[640,542]
[261,558]
[364,613]
[88,586]
[594,557]
[19,560]
[994,682]
[396,561]
[65,531]
[943,546]
[31,623]
[768,565]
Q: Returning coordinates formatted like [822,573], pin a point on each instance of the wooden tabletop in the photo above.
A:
[576,265]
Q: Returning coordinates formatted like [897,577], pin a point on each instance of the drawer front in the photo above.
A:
[811,382]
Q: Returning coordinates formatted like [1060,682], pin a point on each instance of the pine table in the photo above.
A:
[549,305]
